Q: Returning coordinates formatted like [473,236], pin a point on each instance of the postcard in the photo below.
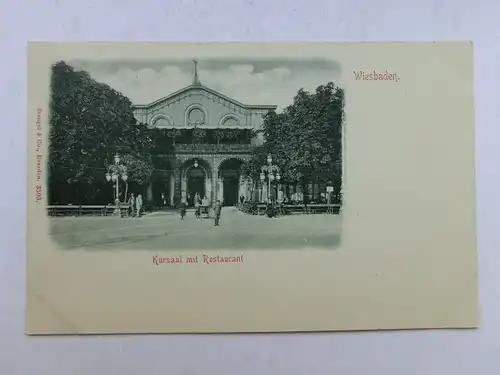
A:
[250,187]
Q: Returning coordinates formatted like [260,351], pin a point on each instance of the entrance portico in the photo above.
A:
[196,175]
[196,178]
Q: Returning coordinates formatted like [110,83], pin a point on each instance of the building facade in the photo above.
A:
[209,137]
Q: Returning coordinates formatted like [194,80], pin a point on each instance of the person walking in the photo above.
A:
[163,202]
[217,213]
[131,205]
[183,209]
[138,205]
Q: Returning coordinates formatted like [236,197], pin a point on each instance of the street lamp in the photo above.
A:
[273,173]
[115,172]
[196,163]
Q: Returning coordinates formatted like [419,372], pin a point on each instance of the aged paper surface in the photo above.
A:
[395,247]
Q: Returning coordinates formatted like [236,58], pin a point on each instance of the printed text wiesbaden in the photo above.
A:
[374,75]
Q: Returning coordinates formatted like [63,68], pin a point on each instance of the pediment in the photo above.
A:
[200,90]
[199,106]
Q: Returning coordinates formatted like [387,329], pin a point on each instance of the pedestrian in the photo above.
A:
[131,205]
[196,198]
[163,201]
[183,209]
[138,205]
[270,212]
[197,211]
[217,213]
[205,204]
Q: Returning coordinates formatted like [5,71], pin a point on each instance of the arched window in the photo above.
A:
[196,116]
[230,121]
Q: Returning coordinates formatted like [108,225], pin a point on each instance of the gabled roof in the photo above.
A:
[204,88]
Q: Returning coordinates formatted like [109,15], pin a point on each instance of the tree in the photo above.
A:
[305,139]
[139,171]
[315,136]
[89,123]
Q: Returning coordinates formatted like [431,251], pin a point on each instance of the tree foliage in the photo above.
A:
[89,123]
[305,139]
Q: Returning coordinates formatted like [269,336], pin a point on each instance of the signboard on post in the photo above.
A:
[329,189]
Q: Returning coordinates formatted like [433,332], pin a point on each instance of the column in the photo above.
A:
[149,193]
[220,189]
[300,192]
[265,194]
[247,190]
[208,188]
[183,187]
[214,188]
[241,188]
[172,189]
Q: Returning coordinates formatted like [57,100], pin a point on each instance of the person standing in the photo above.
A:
[183,209]
[205,205]
[197,211]
[163,201]
[131,205]
[217,213]
[138,205]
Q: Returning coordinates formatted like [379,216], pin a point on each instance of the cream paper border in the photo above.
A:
[408,254]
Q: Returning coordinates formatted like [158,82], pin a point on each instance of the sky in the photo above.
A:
[250,81]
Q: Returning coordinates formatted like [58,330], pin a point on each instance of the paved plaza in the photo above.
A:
[165,230]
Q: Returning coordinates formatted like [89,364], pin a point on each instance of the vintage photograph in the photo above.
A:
[195,154]
[214,187]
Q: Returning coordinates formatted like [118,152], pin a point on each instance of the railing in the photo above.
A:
[289,209]
[208,147]
[90,210]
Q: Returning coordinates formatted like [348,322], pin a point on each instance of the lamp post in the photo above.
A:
[273,173]
[116,171]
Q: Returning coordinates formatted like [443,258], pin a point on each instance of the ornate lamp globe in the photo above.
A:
[278,177]
[262,177]
[114,177]
[269,159]
[117,159]
[124,177]
[196,163]
[271,177]
[108,177]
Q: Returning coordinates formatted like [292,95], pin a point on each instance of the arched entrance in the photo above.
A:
[230,175]
[196,178]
